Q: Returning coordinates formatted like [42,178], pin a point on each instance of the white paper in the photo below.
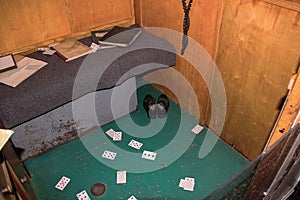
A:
[100,34]
[26,68]
[110,133]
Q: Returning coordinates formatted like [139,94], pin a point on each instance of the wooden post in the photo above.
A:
[289,115]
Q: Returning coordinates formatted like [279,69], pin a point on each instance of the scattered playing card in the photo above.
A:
[121,177]
[135,144]
[62,183]
[189,179]
[149,155]
[187,183]
[182,183]
[109,155]
[83,195]
[117,136]
[110,133]
[132,198]
[189,186]
[197,129]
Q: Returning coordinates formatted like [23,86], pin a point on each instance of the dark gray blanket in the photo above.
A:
[60,82]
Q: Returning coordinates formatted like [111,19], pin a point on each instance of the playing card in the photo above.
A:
[197,129]
[62,183]
[109,155]
[117,136]
[121,177]
[189,184]
[149,155]
[190,179]
[110,133]
[135,144]
[132,198]
[94,46]
[83,195]
[182,183]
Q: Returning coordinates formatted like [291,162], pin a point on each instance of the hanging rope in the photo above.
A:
[186,24]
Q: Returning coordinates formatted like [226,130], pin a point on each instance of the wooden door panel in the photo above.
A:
[24,23]
[93,13]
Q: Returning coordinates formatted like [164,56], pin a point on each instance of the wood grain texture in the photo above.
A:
[205,25]
[92,13]
[258,53]
[289,113]
[25,23]
[205,18]
[288,4]
[185,86]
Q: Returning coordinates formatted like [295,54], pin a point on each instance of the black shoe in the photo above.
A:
[162,105]
[150,106]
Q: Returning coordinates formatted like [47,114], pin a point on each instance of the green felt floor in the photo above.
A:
[177,157]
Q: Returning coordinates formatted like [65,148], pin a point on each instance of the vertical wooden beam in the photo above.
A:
[289,114]
[137,12]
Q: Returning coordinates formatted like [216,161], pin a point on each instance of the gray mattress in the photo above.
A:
[60,82]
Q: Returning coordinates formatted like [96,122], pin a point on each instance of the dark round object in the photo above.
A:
[98,189]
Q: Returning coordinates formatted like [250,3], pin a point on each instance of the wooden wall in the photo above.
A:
[258,53]
[169,14]
[256,47]
[31,23]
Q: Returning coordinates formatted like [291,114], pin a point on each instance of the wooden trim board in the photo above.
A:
[284,4]
[288,114]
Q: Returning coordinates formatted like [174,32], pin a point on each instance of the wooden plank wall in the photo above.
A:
[205,19]
[256,48]
[29,24]
[258,53]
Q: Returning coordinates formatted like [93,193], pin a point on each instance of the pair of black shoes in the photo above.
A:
[158,109]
